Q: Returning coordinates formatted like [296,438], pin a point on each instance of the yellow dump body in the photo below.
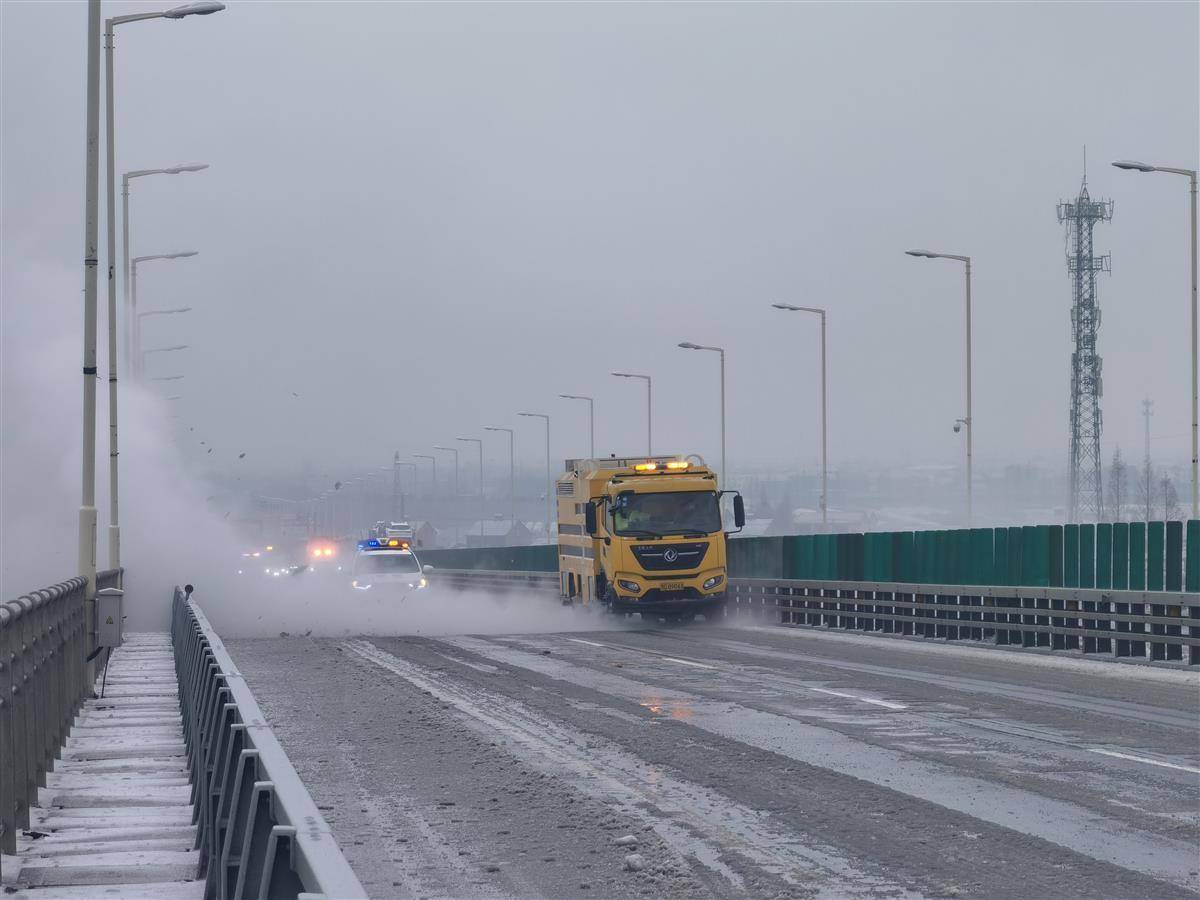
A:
[658,547]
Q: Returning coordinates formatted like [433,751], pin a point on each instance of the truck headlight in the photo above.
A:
[422,583]
[632,586]
[713,582]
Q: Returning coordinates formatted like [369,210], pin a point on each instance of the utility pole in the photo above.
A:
[1147,412]
[396,495]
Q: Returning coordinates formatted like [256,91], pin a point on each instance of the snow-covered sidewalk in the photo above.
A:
[115,817]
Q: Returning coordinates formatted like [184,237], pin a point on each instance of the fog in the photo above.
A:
[421,219]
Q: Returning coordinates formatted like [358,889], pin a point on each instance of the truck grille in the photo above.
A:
[662,557]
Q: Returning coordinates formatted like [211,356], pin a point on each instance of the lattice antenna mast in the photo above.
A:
[1086,501]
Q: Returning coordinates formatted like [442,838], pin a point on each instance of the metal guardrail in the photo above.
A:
[43,679]
[1157,626]
[258,831]
[463,579]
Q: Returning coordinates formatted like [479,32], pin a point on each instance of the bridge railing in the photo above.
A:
[1136,625]
[44,645]
[258,830]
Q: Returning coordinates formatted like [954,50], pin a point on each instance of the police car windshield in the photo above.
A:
[379,563]
[683,512]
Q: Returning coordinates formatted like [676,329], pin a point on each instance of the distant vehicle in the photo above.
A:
[388,564]
[401,530]
[323,555]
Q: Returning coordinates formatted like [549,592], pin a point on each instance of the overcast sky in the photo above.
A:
[425,218]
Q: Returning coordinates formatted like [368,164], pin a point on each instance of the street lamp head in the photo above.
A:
[688,345]
[787,306]
[191,167]
[1136,166]
[926,254]
[182,255]
[193,9]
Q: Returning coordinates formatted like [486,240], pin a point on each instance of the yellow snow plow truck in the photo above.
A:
[644,535]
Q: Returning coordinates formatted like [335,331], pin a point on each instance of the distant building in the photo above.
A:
[426,537]
[497,533]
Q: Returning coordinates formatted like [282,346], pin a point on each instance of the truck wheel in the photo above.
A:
[714,613]
[608,599]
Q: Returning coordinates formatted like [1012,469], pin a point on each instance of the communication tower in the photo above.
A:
[1086,502]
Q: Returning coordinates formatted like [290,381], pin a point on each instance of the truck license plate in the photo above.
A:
[674,586]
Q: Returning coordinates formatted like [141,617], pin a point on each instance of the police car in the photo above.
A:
[388,564]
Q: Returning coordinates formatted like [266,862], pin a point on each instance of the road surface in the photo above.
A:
[718,761]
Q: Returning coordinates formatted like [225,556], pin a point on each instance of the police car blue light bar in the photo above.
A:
[383,544]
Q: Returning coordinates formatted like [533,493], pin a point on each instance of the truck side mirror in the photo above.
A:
[589,517]
[739,511]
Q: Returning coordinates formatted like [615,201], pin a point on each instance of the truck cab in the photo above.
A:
[644,535]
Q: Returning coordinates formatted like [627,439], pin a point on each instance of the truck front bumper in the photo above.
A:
[694,593]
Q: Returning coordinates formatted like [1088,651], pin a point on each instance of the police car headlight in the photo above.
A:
[632,586]
[422,583]
[360,587]
[713,582]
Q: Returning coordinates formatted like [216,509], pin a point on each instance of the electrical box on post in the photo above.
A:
[108,617]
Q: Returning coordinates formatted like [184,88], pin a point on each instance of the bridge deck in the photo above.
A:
[116,810]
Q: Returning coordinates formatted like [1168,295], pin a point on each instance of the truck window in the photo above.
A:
[654,515]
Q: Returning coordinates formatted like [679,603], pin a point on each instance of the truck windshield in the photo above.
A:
[380,563]
[656,515]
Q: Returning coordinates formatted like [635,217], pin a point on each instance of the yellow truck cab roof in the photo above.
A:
[643,474]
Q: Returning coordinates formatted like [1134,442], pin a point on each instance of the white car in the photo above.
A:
[388,564]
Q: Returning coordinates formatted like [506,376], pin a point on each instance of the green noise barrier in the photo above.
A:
[1158,556]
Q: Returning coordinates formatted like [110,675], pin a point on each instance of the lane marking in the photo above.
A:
[1142,759]
[674,659]
[886,704]
[687,662]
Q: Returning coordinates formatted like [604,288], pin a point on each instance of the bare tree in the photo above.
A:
[1117,474]
[1170,499]
[1146,488]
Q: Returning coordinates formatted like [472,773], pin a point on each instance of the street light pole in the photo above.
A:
[114,525]
[688,345]
[158,312]
[969,421]
[91,202]
[125,178]
[482,502]
[146,353]
[512,482]
[649,420]
[1191,176]
[549,475]
[591,419]
[136,344]
[824,396]
[413,466]
[454,505]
